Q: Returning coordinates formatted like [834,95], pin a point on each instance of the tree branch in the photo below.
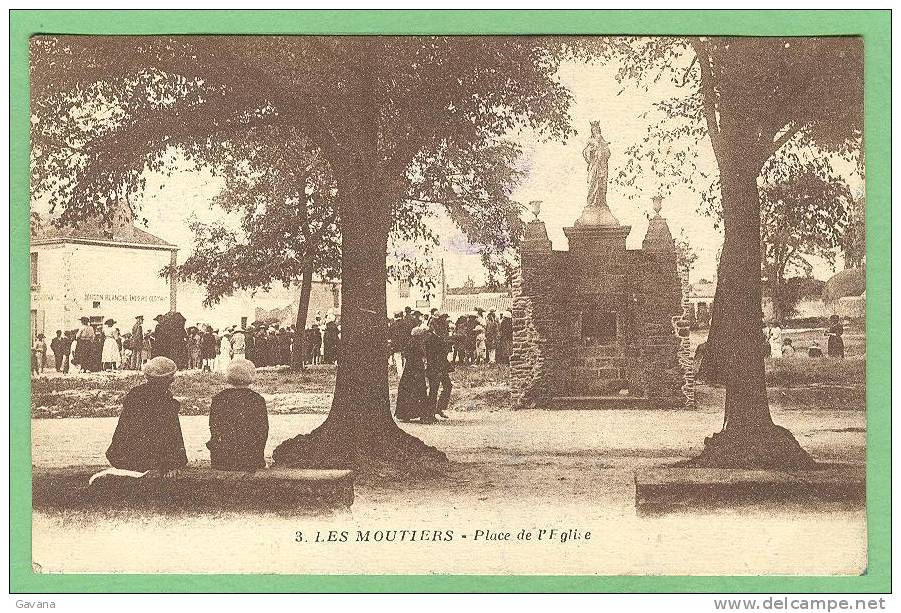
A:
[779,141]
[687,72]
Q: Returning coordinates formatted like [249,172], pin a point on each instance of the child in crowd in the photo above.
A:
[38,355]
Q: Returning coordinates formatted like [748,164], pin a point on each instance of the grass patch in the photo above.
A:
[793,383]
[824,372]
[100,394]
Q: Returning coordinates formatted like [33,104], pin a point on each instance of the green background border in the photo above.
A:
[874,26]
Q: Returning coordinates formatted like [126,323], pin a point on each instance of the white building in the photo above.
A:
[98,273]
[112,271]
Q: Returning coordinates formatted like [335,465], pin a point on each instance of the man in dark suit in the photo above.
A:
[437,370]
[137,343]
[60,346]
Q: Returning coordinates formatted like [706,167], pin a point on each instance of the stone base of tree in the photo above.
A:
[345,444]
[772,447]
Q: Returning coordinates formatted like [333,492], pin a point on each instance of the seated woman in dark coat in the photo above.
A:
[148,435]
[239,424]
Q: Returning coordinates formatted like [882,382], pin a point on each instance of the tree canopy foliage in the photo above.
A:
[98,125]
[283,195]
[805,92]
[404,123]
[805,211]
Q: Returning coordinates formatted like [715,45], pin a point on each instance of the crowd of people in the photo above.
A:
[479,337]
[476,338]
[777,345]
[424,348]
[199,347]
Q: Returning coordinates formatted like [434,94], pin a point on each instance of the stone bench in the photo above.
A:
[195,489]
[667,489]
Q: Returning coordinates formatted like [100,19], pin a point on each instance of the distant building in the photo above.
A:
[402,293]
[244,307]
[845,293]
[462,304]
[99,271]
[700,295]
[112,271]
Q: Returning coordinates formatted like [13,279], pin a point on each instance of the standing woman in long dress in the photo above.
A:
[225,350]
[835,347]
[111,356]
[776,340]
[412,390]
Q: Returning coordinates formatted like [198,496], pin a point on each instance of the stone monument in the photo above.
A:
[593,326]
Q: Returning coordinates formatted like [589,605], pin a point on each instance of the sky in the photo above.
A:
[556,175]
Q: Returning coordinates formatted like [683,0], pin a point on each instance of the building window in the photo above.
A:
[96,304]
[34,269]
[403,289]
[336,297]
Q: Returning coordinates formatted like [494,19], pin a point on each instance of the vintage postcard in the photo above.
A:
[413,303]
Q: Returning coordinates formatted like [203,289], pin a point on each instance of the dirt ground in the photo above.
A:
[509,471]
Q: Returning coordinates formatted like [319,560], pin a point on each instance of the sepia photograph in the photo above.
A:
[574,305]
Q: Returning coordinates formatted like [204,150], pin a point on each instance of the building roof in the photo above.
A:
[467,303]
[475,289]
[92,232]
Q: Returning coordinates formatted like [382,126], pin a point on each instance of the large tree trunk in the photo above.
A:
[303,308]
[359,429]
[749,438]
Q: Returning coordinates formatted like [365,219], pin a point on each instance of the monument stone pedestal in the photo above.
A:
[593,324]
[593,327]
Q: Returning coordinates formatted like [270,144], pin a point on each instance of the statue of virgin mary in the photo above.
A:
[596,154]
